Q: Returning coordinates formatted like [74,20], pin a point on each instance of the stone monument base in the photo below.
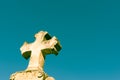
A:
[30,75]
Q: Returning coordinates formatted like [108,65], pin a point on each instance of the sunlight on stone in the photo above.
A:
[43,45]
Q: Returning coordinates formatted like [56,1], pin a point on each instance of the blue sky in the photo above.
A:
[89,31]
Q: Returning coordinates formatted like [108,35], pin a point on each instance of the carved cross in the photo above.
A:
[43,45]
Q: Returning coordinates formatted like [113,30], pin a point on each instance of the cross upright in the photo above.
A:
[43,45]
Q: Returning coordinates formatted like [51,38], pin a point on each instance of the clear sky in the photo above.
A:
[89,31]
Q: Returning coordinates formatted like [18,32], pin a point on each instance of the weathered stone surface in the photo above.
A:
[30,75]
[37,51]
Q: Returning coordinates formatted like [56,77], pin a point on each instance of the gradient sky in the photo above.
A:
[89,31]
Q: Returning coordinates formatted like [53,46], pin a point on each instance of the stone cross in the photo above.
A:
[37,51]
[43,45]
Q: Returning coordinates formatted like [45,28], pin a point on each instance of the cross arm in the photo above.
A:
[25,50]
[52,46]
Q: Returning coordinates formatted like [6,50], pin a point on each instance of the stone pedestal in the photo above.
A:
[30,75]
